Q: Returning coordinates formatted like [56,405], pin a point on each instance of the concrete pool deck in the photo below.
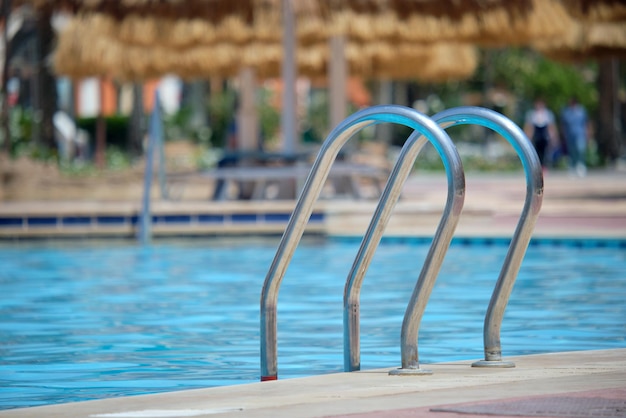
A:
[572,384]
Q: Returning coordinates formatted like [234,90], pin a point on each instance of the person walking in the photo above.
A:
[574,126]
[540,127]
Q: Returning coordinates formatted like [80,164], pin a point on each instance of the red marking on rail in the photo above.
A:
[268,378]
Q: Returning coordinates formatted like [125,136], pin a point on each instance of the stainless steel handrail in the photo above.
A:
[371,239]
[421,294]
[310,192]
[523,231]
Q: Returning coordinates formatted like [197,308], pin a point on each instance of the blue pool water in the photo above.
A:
[87,320]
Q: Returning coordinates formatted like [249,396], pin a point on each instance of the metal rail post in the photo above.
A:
[419,299]
[371,239]
[309,194]
[528,217]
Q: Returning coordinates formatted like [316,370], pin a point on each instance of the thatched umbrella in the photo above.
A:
[490,22]
[210,10]
[597,10]
[481,22]
[203,37]
[598,31]
[96,44]
[588,40]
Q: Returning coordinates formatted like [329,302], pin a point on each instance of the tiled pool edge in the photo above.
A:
[333,219]
[558,241]
[259,224]
[121,219]
[125,225]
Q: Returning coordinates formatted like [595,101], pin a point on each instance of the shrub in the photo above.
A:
[117,130]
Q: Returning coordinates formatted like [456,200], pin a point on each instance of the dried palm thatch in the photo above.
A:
[211,10]
[175,32]
[597,10]
[599,31]
[385,37]
[217,9]
[493,23]
[96,44]
[432,62]
[363,21]
[89,46]
[438,62]
[586,41]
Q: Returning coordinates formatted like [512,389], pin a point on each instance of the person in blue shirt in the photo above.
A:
[574,127]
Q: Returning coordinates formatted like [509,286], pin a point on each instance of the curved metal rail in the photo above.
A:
[421,293]
[371,239]
[523,231]
[311,190]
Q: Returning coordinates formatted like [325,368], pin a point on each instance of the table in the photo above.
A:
[287,180]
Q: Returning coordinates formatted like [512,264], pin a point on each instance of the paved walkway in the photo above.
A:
[576,384]
[593,206]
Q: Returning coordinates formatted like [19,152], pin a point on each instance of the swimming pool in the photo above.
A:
[85,320]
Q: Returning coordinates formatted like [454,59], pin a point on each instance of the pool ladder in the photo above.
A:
[426,129]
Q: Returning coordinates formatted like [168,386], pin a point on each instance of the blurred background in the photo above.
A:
[79,78]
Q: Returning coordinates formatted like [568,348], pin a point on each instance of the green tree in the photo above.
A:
[528,74]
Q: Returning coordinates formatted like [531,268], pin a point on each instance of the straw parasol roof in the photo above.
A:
[599,31]
[494,23]
[96,43]
[211,10]
[588,40]
[433,62]
[133,39]
[597,10]
[215,9]
[140,48]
